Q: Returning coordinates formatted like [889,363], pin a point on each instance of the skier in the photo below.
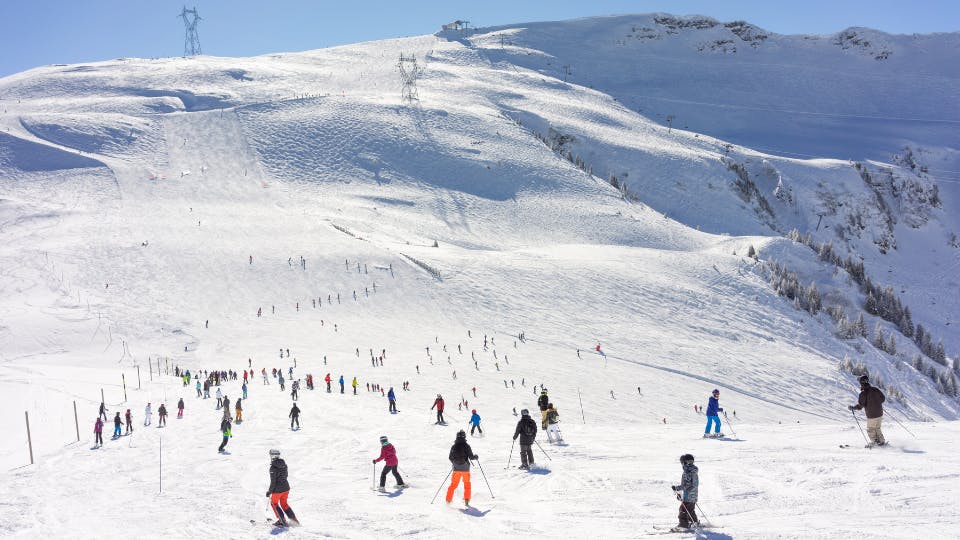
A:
[393,400]
[129,419]
[460,456]
[279,490]
[103,411]
[341,384]
[687,493]
[553,430]
[713,407]
[219,399]
[180,408]
[327,380]
[98,432]
[354,384]
[527,431]
[871,400]
[198,389]
[388,454]
[475,422]
[162,412]
[117,425]
[294,390]
[438,403]
[294,416]
[244,390]
[146,415]
[280,380]
[544,403]
[239,411]
[225,429]
[226,406]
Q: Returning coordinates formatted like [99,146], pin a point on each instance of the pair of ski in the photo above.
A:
[870,445]
[677,529]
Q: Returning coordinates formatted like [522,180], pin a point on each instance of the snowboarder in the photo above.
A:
[527,431]
[117,425]
[871,400]
[438,403]
[98,432]
[553,430]
[279,490]
[180,408]
[460,456]
[393,400]
[713,407]
[238,409]
[294,416]
[544,403]
[146,415]
[388,454]
[129,419]
[162,412]
[475,422]
[225,429]
[687,493]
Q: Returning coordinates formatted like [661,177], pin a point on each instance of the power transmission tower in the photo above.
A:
[409,71]
[191,41]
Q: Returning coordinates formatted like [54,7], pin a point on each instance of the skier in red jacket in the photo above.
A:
[438,403]
[388,454]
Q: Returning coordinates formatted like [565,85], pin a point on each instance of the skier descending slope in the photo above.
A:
[527,431]
[294,416]
[460,456]
[871,399]
[392,397]
[279,490]
[225,430]
[553,429]
[475,422]
[388,454]
[713,407]
[544,403]
[438,403]
[687,493]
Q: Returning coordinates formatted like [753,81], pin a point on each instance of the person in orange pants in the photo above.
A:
[279,490]
[460,456]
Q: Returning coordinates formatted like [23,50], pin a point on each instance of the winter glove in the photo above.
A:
[268,494]
[675,488]
[852,407]
[374,461]
[721,410]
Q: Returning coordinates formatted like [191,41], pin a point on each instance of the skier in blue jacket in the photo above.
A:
[713,407]
[475,422]
[393,400]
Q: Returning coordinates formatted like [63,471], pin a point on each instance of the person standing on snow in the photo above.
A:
[129,419]
[98,432]
[103,411]
[279,490]
[553,430]
[219,399]
[239,411]
[162,412]
[392,397]
[475,422]
[294,416]
[117,425]
[327,380]
[438,403]
[527,431]
[227,433]
[180,408]
[713,407]
[146,415]
[354,383]
[687,493]
[460,456]
[544,403]
[388,454]
[871,400]
[341,384]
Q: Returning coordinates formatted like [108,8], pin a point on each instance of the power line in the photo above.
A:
[191,40]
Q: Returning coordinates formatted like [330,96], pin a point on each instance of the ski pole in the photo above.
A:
[861,429]
[542,450]
[511,454]
[729,423]
[441,486]
[492,496]
[373,480]
[702,515]
[901,425]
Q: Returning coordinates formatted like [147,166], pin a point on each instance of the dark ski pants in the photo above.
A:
[477,427]
[393,405]
[162,421]
[440,419]
[526,454]
[98,438]
[396,475]
[328,388]
[341,388]
[688,513]
[295,419]
[219,403]
[223,444]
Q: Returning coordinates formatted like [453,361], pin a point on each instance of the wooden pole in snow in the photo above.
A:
[29,440]
[76,422]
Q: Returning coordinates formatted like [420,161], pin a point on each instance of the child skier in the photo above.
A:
[98,432]
[117,425]
[162,411]
[687,493]
[279,490]
[146,415]
[438,403]
[388,454]
[129,418]
[713,407]
[392,397]
[180,408]
[553,429]
[475,422]
[460,456]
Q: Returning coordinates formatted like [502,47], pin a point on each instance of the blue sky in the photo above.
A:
[39,32]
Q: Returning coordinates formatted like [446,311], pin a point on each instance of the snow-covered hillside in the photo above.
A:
[206,212]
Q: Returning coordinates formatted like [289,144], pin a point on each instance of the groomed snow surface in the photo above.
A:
[134,193]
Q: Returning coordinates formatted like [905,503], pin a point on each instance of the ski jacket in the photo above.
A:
[713,406]
[162,411]
[278,476]
[219,393]
[391,396]
[180,404]
[553,416]
[327,379]
[475,419]
[526,430]
[871,399]
[146,411]
[116,420]
[225,427]
[354,383]
[460,456]
[98,426]
[438,403]
[388,454]
[341,380]
[543,402]
[237,406]
[294,412]
[129,417]
[690,483]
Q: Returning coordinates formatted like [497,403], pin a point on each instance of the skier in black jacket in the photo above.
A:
[544,403]
[527,431]
[460,456]
[871,400]
[279,490]
[295,416]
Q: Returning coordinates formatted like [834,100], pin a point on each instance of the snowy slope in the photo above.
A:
[134,193]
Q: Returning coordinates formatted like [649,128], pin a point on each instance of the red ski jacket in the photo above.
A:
[389,454]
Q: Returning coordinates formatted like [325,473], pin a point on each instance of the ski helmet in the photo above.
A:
[715,391]
[686,458]
[274,454]
[864,379]
[461,434]
[525,412]
[473,411]
[383,439]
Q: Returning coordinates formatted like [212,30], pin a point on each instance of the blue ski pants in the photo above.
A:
[711,420]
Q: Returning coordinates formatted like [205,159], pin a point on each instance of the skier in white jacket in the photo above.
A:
[146,415]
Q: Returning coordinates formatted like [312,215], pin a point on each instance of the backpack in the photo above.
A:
[552,417]
[529,428]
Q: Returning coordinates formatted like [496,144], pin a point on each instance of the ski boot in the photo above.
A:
[292,517]
[382,489]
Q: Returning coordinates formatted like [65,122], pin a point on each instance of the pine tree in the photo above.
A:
[879,340]
[813,299]
[861,326]
[892,345]
[906,323]
[751,253]
[871,304]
